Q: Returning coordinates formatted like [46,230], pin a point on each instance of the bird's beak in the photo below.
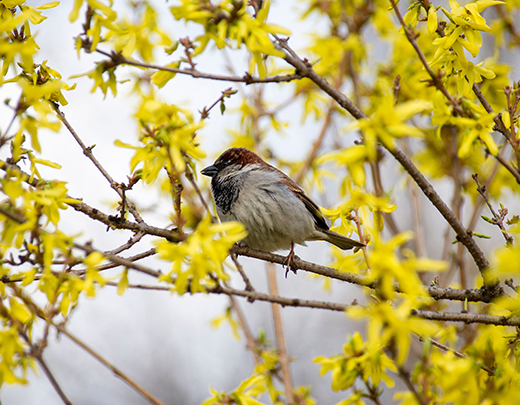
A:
[209,171]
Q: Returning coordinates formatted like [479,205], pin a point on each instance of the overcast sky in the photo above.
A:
[163,341]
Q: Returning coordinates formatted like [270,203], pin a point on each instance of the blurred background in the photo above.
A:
[163,341]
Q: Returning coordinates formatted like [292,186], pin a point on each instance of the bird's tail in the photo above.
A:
[340,241]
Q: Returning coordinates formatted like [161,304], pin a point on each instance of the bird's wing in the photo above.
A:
[313,208]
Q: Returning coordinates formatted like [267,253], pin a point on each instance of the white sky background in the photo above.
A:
[163,341]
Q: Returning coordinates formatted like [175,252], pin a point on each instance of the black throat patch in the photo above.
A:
[225,191]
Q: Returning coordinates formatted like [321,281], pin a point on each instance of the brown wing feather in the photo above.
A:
[243,156]
[313,208]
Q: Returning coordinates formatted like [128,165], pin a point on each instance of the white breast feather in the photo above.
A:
[273,216]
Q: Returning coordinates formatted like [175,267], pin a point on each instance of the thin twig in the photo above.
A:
[87,151]
[467,317]
[508,21]
[11,215]
[458,354]
[447,276]
[131,242]
[251,342]
[280,336]
[500,125]
[247,282]
[373,392]
[189,175]
[16,111]
[52,379]
[119,59]
[137,387]
[511,284]
[112,221]
[406,378]
[251,295]
[502,129]
[509,168]
[316,145]
[139,256]
[436,78]
[120,261]
[498,219]
[362,239]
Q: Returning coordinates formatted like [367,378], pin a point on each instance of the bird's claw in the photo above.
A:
[288,263]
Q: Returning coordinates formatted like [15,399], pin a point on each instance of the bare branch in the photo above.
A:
[498,219]
[280,336]
[87,151]
[11,215]
[252,296]
[139,256]
[467,317]
[438,293]
[251,342]
[249,286]
[458,354]
[113,222]
[137,387]
[436,78]
[117,223]
[406,378]
[505,163]
[119,59]
[52,379]
[131,242]
[120,261]
[316,145]
[305,69]
[500,125]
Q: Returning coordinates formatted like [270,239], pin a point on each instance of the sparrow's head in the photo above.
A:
[231,161]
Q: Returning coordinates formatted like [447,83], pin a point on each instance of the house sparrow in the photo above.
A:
[275,211]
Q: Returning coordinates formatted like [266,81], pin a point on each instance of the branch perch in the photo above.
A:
[305,69]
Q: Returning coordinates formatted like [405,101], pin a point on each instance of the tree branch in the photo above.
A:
[498,219]
[247,282]
[251,296]
[406,378]
[139,256]
[508,167]
[280,336]
[116,222]
[438,293]
[305,69]
[131,242]
[467,317]
[436,79]
[251,342]
[52,379]
[109,365]
[458,354]
[87,151]
[112,221]
[120,261]
[119,59]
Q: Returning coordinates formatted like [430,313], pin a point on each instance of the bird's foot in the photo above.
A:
[288,263]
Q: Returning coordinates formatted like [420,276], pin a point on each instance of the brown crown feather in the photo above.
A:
[241,156]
